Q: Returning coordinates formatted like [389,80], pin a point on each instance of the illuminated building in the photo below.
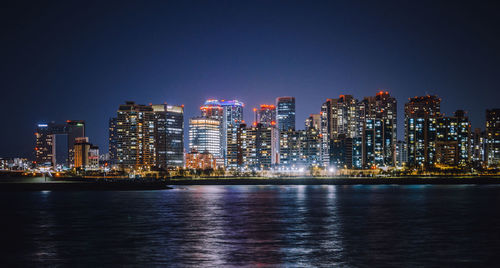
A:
[285,114]
[135,128]
[341,149]
[205,136]
[453,139]
[340,119]
[313,121]
[478,147]
[421,114]
[265,115]
[112,140]
[196,160]
[55,142]
[213,110]
[148,136]
[256,147]
[229,112]
[86,155]
[236,136]
[14,163]
[169,135]
[493,137]
[401,153]
[289,148]
[379,130]
[74,129]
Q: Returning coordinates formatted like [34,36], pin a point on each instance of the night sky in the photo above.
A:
[81,59]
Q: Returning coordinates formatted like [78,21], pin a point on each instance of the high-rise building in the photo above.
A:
[229,112]
[148,136]
[205,136]
[341,151]
[265,115]
[478,147]
[236,138]
[112,140]
[342,117]
[75,129]
[169,135]
[421,114]
[493,137]
[256,147]
[401,153]
[313,121]
[135,128]
[453,139]
[285,115]
[379,134]
[299,148]
[289,148]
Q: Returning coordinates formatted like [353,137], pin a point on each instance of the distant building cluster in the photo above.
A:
[62,146]
[346,133]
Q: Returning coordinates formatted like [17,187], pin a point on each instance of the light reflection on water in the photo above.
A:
[253,225]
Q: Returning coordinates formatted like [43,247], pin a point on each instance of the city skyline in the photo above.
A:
[181,53]
[249,116]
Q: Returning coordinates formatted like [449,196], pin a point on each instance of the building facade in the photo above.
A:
[493,137]
[285,114]
[421,114]
[135,130]
[169,135]
[205,136]
[256,147]
[86,155]
[453,139]
[197,160]
[112,140]
[265,115]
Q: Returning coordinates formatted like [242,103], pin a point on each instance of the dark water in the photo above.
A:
[252,225]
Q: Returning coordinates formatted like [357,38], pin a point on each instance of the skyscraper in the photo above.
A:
[478,147]
[421,114]
[205,136]
[340,119]
[493,137]
[265,115]
[74,129]
[148,136]
[401,153]
[255,147]
[112,140]
[285,115]
[135,130]
[229,113]
[379,134]
[453,139]
[169,135]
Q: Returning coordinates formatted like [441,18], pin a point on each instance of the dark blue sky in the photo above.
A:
[80,60]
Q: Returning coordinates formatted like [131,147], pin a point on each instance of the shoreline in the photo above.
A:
[341,181]
[83,186]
